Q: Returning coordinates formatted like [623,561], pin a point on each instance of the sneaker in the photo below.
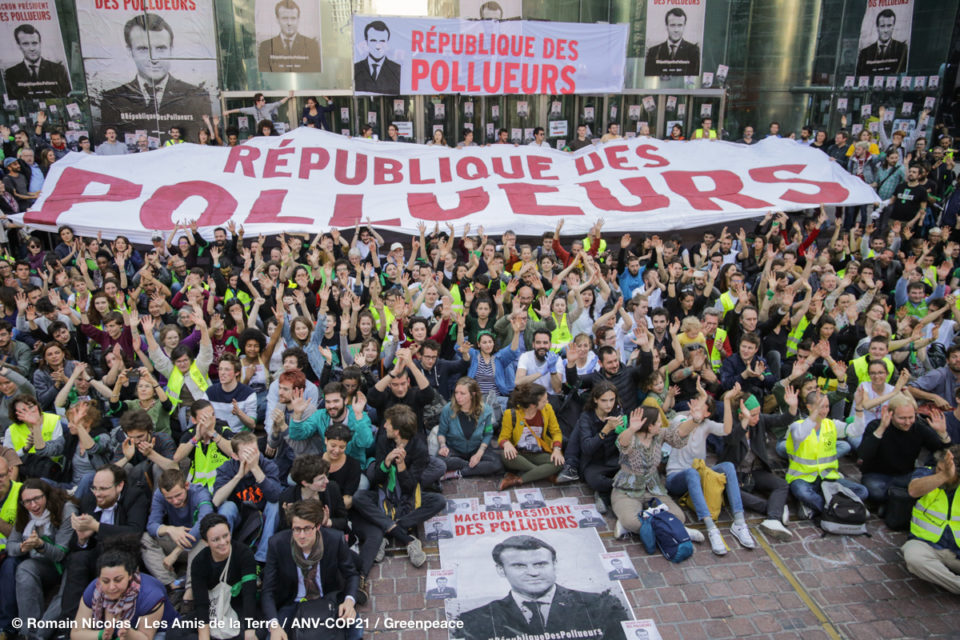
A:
[742,533]
[381,552]
[619,533]
[363,591]
[806,513]
[601,505]
[717,544]
[452,475]
[785,519]
[774,529]
[568,474]
[695,535]
[415,553]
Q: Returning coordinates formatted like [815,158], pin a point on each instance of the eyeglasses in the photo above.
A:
[37,499]
[102,489]
[304,529]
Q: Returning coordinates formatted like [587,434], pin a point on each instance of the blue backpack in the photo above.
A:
[662,529]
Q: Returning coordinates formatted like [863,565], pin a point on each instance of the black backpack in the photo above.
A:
[844,513]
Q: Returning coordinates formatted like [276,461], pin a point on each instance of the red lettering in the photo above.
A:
[157,212]
[421,70]
[312,159]
[561,45]
[70,191]
[537,166]
[516,166]
[387,171]
[602,198]
[528,43]
[523,200]
[439,75]
[275,162]
[548,48]
[425,206]
[455,85]
[443,40]
[829,192]
[266,210]
[340,168]
[244,156]
[415,173]
[479,169]
[594,158]
[417,44]
[726,186]
[472,87]
[549,79]
[566,74]
[494,86]
[645,151]
[347,210]
[528,81]
[510,77]
[574,54]
[615,159]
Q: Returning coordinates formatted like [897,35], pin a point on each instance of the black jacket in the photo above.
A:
[281,574]
[626,379]
[130,516]
[735,445]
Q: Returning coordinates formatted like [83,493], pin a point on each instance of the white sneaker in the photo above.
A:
[742,533]
[775,529]
[415,553]
[695,535]
[619,533]
[717,545]
[382,551]
[785,519]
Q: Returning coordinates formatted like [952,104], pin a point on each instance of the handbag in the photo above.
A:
[321,609]
[221,611]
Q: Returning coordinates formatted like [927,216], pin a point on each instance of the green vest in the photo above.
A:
[19,432]
[815,457]
[861,366]
[795,336]
[457,298]
[242,296]
[698,135]
[8,511]
[726,299]
[561,336]
[933,513]
[175,383]
[917,310]
[716,353]
[203,470]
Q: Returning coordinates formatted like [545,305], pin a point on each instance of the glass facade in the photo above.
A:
[787,62]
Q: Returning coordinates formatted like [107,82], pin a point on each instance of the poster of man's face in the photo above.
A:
[491,9]
[32,57]
[885,39]
[288,36]
[149,70]
[376,68]
[673,37]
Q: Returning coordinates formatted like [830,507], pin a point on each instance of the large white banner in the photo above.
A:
[148,71]
[408,56]
[532,573]
[885,38]
[309,179]
[31,54]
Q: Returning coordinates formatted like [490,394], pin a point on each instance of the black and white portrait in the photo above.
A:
[673,37]
[288,36]
[885,40]
[374,71]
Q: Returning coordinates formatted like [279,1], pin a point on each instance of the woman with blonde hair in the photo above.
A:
[466,429]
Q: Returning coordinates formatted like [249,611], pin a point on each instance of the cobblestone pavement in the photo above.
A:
[811,588]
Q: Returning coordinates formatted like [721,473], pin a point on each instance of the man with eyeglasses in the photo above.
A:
[539,138]
[112,508]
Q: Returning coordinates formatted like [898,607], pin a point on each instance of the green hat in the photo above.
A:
[751,402]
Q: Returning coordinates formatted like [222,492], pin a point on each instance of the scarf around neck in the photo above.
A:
[309,565]
[124,608]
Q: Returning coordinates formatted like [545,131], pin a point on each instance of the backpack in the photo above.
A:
[432,411]
[899,509]
[661,529]
[844,513]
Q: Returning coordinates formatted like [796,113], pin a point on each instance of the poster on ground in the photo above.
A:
[533,574]
[288,36]
[149,70]
[31,54]
[428,56]
[674,38]
[885,38]
[270,185]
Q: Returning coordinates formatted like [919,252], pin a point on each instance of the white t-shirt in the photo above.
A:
[528,362]
[682,459]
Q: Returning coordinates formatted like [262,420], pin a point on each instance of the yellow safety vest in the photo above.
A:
[175,383]
[861,366]
[242,296]
[19,432]
[457,298]
[698,134]
[561,336]
[933,513]
[716,353]
[796,335]
[8,512]
[727,301]
[205,464]
[601,249]
[816,457]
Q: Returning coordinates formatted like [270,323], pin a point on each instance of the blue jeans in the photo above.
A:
[809,492]
[878,483]
[843,447]
[271,514]
[688,480]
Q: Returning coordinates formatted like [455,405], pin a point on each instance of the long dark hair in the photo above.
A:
[596,392]
[56,498]
[525,395]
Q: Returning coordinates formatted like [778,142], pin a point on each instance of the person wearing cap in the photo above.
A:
[16,183]
[396,254]
[746,448]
